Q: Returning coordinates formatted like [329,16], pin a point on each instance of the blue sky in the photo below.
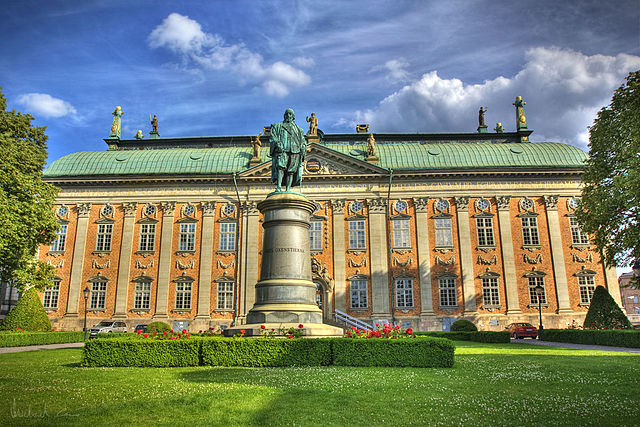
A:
[232,67]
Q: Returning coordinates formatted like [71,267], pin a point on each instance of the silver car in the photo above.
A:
[107,326]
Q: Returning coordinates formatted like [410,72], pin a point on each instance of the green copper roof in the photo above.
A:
[397,156]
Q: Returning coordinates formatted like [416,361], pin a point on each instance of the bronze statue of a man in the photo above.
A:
[288,147]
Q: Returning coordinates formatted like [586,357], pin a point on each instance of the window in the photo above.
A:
[147,237]
[359,295]
[485,231]
[356,235]
[587,285]
[142,295]
[61,238]
[103,239]
[50,298]
[187,237]
[447,286]
[578,237]
[490,292]
[533,295]
[315,236]
[225,296]
[98,295]
[444,238]
[404,293]
[635,299]
[530,231]
[401,233]
[183,295]
[227,236]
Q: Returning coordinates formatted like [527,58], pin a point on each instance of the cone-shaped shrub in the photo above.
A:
[157,327]
[462,325]
[604,313]
[28,314]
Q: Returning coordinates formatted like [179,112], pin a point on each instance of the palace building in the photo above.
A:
[418,229]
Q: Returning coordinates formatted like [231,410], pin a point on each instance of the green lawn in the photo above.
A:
[491,384]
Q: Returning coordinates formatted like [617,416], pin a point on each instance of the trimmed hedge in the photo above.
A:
[463,325]
[157,327]
[266,352]
[28,314]
[216,351]
[418,353]
[152,353]
[17,339]
[611,337]
[478,336]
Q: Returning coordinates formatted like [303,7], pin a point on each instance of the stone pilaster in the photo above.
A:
[75,281]
[379,258]
[339,263]
[164,269]
[124,266]
[424,262]
[508,257]
[466,255]
[249,256]
[611,280]
[206,260]
[557,254]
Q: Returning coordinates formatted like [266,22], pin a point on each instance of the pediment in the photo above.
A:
[322,161]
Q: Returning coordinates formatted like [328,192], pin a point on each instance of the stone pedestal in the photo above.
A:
[285,293]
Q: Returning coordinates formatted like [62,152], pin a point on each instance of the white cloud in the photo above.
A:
[563,89]
[184,36]
[395,69]
[304,62]
[45,105]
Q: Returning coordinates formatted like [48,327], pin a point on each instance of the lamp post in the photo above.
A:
[85,293]
[539,291]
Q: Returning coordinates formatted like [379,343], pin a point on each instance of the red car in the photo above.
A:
[522,330]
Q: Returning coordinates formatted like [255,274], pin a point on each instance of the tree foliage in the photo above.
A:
[610,209]
[604,313]
[26,216]
[28,314]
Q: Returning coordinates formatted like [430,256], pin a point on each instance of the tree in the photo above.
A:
[610,208]
[28,314]
[604,313]
[26,215]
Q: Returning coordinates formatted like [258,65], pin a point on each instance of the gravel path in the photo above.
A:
[40,347]
[577,346]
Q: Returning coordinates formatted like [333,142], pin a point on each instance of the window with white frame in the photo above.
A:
[587,285]
[401,237]
[142,295]
[404,293]
[533,295]
[227,236]
[61,238]
[183,295]
[447,288]
[359,294]
[103,238]
[490,291]
[444,236]
[50,297]
[98,295]
[530,231]
[315,236]
[578,237]
[357,234]
[147,237]
[187,237]
[225,296]
[484,226]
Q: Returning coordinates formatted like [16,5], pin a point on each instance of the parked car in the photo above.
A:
[140,327]
[108,326]
[522,330]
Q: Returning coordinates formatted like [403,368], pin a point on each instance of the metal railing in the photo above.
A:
[342,317]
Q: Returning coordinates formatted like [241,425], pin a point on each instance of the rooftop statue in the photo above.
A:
[139,135]
[499,128]
[521,120]
[313,124]
[154,124]
[256,144]
[481,116]
[288,147]
[371,146]
[115,126]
